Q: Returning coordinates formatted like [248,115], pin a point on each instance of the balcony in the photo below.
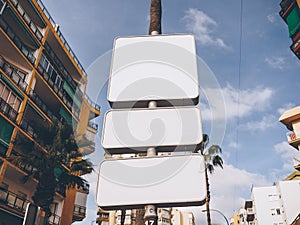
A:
[54,220]
[69,78]
[26,52]
[79,210]
[293,139]
[3,150]
[28,129]
[60,92]
[15,74]
[85,188]
[103,217]
[67,46]
[26,168]
[295,47]
[39,102]
[8,111]
[79,213]
[93,125]
[93,104]
[285,4]
[27,20]
[12,200]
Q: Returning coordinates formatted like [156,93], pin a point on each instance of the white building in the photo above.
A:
[274,205]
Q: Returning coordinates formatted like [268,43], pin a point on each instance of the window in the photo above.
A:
[54,207]
[10,97]
[273,212]
[273,197]
[278,211]
[53,74]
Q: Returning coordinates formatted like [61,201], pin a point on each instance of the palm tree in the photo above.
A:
[155,16]
[212,160]
[58,168]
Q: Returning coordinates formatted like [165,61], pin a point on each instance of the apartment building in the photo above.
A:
[41,82]
[290,13]
[291,119]
[239,217]
[276,205]
[165,216]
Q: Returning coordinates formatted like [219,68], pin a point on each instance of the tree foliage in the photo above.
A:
[56,161]
[212,159]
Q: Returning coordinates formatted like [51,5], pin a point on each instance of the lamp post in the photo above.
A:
[215,210]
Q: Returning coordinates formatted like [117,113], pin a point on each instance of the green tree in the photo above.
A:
[212,159]
[58,168]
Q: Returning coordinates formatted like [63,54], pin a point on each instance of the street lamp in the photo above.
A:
[215,210]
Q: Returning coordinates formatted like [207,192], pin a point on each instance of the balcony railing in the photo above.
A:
[13,200]
[61,190]
[26,52]
[63,70]
[28,129]
[60,92]
[8,111]
[93,125]
[54,220]
[285,4]
[93,104]
[3,150]
[26,168]
[17,202]
[27,19]
[47,14]
[85,188]
[39,102]
[79,210]
[13,73]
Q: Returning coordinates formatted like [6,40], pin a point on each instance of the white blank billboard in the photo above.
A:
[169,181]
[166,129]
[159,68]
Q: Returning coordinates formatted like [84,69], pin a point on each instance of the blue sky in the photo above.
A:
[254,145]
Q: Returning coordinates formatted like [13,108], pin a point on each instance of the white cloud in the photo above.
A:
[272,18]
[287,155]
[238,103]
[234,144]
[202,26]
[267,122]
[229,188]
[285,107]
[276,62]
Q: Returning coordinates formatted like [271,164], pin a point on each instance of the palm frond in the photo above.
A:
[83,166]
[217,161]
[210,167]
[214,149]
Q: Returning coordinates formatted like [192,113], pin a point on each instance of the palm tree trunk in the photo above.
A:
[207,198]
[140,217]
[155,16]
[123,212]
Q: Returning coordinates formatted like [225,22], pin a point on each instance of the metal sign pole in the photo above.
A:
[150,210]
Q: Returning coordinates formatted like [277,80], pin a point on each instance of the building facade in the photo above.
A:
[291,119]
[41,82]
[290,13]
[274,205]
[165,216]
